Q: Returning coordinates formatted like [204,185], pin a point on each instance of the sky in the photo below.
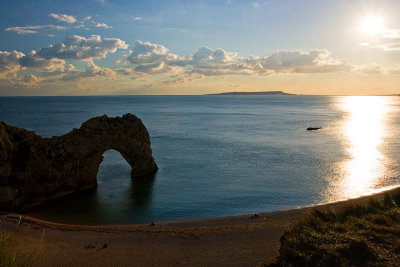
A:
[121,47]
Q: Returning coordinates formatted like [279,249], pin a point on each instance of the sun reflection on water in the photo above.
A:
[363,134]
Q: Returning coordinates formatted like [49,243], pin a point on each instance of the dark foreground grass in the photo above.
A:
[7,256]
[356,235]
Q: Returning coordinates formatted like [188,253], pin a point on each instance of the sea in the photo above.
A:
[221,155]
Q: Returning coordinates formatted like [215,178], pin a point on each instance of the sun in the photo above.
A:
[372,25]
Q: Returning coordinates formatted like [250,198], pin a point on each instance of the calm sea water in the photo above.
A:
[226,155]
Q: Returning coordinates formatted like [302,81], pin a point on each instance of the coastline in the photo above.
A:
[243,240]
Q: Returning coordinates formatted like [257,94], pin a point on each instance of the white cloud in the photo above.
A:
[172,29]
[85,23]
[9,61]
[63,17]
[146,52]
[133,18]
[315,61]
[91,71]
[153,58]
[49,64]
[34,29]
[50,61]
[78,47]
[156,58]
[102,25]
[205,55]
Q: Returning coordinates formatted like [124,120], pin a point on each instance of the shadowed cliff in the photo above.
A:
[35,170]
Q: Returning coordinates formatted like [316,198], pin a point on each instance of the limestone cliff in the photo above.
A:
[35,170]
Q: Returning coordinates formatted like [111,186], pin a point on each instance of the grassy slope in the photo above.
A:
[357,235]
[7,256]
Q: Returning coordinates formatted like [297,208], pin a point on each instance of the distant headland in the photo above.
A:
[254,93]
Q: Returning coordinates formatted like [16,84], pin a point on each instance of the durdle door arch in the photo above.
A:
[35,170]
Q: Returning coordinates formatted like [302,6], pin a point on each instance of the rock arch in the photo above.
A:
[35,170]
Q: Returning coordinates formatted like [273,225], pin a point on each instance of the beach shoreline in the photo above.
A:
[242,240]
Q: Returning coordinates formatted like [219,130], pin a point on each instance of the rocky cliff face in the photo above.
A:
[35,170]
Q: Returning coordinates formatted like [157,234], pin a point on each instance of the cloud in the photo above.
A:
[91,71]
[315,61]
[9,61]
[133,18]
[205,55]
[153,58]
[146,52]
[386,39]
[30,80]
[34,29]
[391,33]
[156,58]
[124,71]
[63,17]
[88,23]
[78,47]
[395,70]
[85,23]
[45,64]
[50,61]
[292,59]
[102,25]
[389,47]
[372,68]
[53,64]
[172,29]
[287,61]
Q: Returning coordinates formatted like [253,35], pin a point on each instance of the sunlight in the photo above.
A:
[362,133]
[372,25]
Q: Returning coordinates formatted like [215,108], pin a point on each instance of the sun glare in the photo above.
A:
[372,25]
[363,133]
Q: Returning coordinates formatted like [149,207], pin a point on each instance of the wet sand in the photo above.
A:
[245,240]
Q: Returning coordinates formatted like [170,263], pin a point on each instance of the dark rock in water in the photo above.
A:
[255,216]
[313,128]
[35,170]
[103,247]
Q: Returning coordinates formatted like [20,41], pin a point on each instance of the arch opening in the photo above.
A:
[117,187]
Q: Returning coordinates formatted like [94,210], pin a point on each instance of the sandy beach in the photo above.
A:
[245,240]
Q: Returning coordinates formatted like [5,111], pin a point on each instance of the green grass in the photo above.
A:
[7,256]
[356,235]
[5,141]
